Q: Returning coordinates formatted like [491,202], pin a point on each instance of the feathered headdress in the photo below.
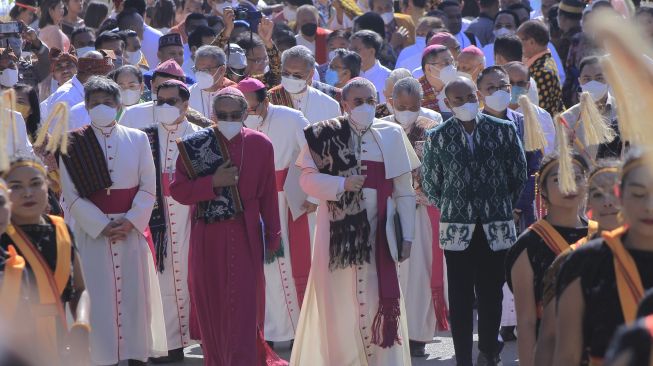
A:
[566,176]
[534,138]
[595,126]
[59,138]
[7,108]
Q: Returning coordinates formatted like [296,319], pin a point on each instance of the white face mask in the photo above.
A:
[292,85]
[466,112]
[448,74]
[498,101]
[406,118]
[8,77]
[166,114]
[363,115]
[332,55]
[204,80]
[597,89]
[229,129]
[502,32]
[465,75]
[133,58]
[289,14]
[130,96]
[83,50]
[387,17]
[253,121]
[102,115]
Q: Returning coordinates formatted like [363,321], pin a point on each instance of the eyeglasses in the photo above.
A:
[257,61]
[443,63]
[209,70]
[293,75]
[171,101]
[521,84]
[492,89]
[226,116]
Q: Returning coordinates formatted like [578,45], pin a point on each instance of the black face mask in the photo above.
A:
[309,29]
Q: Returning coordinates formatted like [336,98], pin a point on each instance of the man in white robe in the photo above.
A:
[143,114]
[18,143]
[353,313]
[210,68]
[286,274]
[111,191]
[170,223]
[297,68]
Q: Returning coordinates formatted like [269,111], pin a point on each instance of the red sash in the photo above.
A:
[321,45]
[437,272]
[299,238]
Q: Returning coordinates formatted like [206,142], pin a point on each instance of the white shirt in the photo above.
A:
[411,57]
[138,116]
[17,144]
[377,74]
[71,93]
[315,105]
[150,45]
[78,117]
[464,41]
[301,41]
[547,127]
[285,128]
[201,100]
[188,63]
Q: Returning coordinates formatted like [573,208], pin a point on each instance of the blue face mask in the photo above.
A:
[331,77]
[517,91]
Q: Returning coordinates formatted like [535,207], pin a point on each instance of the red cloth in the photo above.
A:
[437,273]
[385,327]
[225,261]
[299,238]
[321,51]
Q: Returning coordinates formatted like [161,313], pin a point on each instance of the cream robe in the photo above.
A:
[17,144]
[284,126]
[173,280]
[138,116]
[339,306]
[315,105]
[126,315]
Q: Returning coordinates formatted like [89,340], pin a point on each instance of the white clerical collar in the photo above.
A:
[299,96]
[377,65]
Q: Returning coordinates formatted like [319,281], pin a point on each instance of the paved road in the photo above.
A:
[440,352]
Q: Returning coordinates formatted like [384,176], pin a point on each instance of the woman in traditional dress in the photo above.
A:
[603,206]
[537,247]
[52,268]
[631,346]
[601,283]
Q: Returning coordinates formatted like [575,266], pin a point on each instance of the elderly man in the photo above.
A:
[142,115]
[388,109]
[309,34]
[368,44]
[170,222]
[440,68]
[470,62]
[520,84]
[209,69]
[108,179]
[286,274]
[235,199]
[170,48]
[298,66]
[346,164]
[467,176]
[422,279]
[444,39]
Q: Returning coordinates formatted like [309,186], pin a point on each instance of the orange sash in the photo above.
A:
[648,321]
[629,283]
[551,236]
[11,282]
[50,308]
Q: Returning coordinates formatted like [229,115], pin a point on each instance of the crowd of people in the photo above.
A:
[351,177]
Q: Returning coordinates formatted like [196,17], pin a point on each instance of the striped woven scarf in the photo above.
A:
[279,96]
[157,219]
[86,163]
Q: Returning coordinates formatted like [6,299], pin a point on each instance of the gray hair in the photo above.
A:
[237,98]
[301,52]
[214,52]
[396,75]
[409,86]
[97,84]
[358,83]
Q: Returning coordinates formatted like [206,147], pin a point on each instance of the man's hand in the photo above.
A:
[405,250]
[309,207]
[265,28]
[229,17]
[226,175]
[269,255]
[354,183]
[118,229]
[30,35]
[398,39]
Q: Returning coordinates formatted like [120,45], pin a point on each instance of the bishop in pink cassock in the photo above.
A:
[235,221]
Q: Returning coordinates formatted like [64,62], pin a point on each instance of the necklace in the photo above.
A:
[358,137]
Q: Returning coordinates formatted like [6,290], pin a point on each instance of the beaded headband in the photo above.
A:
[601,171]
[27,163]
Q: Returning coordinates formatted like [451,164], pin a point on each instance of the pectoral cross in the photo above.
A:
[108,191]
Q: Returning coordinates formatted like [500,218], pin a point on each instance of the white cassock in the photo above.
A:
[71,93]
[335,325]
[201,100]
[315,105]
[127,316]
[284,126]
[17,143]
[173,279]
[377,74]
[138,116]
